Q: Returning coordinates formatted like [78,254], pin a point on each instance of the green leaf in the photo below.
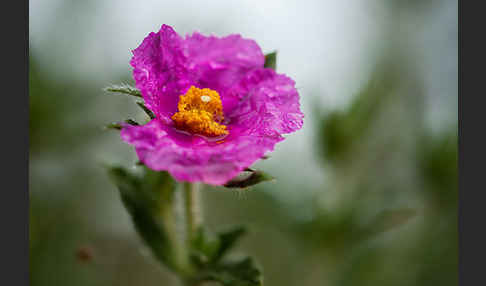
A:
[205,248]
[248,178]
[118,126]
[227,240]
[144,108]
[236,273]
[114,125]
[271,60]
[131,122]
[209,248]
[148,196]
[148,199]
[207,254]
[124,89]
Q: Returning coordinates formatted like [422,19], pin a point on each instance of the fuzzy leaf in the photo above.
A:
[271,60]
[209,248]
[131,122]
[205,247]
[114,125]
[147,198]
[236,273]
[208,251]
[124,89]
[248,178]
[227,240]
[144,108]
[118,126]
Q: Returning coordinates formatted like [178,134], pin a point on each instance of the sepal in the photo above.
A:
[123,89]
[248,178]
[271,60]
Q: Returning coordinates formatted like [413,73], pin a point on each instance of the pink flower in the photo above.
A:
[217,109]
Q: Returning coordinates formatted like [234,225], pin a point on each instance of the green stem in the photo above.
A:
[192,222]
[179,259]
[192,211]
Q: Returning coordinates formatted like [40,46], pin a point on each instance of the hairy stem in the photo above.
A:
[192,210]
[192,221]
[178,260]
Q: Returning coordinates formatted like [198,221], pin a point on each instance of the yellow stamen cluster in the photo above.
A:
[200,112]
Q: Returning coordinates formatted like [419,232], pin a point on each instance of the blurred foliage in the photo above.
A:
[386,213]
[52,106]
[42,113]
[339,130]
[437,157]
[352,233]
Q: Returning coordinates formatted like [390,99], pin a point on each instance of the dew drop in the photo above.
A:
[205,98]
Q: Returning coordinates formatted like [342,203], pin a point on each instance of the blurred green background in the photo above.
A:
[366,192]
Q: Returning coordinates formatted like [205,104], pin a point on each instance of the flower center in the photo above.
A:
[200,112]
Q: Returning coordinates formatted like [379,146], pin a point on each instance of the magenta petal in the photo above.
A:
[270,104]
[219,63]
[159,71]
[192,158]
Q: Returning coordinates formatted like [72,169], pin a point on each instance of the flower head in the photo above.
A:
[217,109]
